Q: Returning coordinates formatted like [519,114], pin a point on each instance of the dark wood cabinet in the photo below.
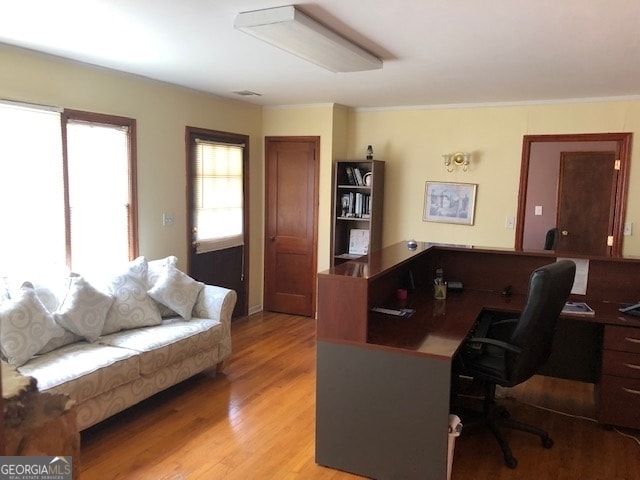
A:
[619,392]
[357,209]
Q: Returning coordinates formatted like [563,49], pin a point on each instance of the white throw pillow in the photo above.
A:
[84,309]
[156,267]
[176,290]
[25,326]
[4,291]
[132,306]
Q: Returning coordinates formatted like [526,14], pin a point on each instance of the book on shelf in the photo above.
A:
[358,241]
[358,176]
[355,205]
[350,175]
[577,308]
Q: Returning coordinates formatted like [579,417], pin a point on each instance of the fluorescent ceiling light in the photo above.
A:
[295,32]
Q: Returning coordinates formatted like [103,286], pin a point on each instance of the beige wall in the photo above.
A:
[411,141]
[162,112]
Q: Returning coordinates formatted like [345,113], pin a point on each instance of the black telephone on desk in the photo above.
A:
[631,310]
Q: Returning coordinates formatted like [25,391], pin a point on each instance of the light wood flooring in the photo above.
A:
[256,420]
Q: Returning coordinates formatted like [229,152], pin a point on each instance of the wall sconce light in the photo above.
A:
[457,159]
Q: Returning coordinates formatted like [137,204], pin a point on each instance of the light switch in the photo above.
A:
[509,222]
[167,219]
[538,210]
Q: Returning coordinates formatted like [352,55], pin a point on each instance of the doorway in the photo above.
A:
[217,220]
[540,185]
[291,219]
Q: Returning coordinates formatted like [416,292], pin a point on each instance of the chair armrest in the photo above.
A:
[506,321]
[496,343]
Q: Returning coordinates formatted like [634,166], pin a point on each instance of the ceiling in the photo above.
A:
[435,52]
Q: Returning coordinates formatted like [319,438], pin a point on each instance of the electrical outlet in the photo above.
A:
[167,219]
[628,228]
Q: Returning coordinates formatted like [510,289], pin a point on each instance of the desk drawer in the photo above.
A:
[619,401]
[623,339]
[621,364]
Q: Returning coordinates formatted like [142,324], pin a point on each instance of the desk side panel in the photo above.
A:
[381,414]
[342,308]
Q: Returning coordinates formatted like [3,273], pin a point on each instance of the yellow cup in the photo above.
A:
[440,291]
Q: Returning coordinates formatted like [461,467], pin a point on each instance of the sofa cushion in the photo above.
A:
[25,326]
[176,290]
[156,267]
[170,342]
[83,370]
[84,309]
[132,306]
[57,342]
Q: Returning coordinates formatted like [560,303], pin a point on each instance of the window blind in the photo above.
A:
[218,196]
[31,189]
[98,160]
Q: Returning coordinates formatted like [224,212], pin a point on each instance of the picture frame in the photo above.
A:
[448,202]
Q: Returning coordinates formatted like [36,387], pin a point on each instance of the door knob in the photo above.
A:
[565,233]
[272,238]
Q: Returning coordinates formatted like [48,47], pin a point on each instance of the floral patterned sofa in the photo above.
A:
[109,347]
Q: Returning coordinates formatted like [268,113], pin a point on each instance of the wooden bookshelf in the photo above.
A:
[357,209]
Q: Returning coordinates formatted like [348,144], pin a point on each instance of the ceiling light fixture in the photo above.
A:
[247,93]
[295,32]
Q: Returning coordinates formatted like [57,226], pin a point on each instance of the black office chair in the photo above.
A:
[550,239]
[512,350]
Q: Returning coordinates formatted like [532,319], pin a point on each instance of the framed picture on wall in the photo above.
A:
[449,202]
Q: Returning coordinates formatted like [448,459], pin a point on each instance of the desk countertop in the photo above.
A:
[439,327]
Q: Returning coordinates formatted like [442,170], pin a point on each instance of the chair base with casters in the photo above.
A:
[497,417]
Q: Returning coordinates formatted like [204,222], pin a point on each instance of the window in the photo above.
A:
[218,195]
[66,181]
[31,189]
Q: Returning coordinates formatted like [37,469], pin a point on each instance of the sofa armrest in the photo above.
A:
[217,303]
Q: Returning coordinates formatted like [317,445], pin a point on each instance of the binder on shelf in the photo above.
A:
[358,241]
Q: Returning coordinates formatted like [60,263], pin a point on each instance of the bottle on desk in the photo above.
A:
[439,285]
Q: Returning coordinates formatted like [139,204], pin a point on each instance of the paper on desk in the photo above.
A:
[582,275]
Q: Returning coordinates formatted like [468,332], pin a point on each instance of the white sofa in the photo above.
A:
[109,347]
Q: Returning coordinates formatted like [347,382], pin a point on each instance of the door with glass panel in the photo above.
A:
[217,195]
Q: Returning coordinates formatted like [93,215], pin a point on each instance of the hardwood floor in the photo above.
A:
[256,420]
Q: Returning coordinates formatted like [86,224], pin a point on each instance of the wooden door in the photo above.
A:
[291,205]
[586,202]
[227,267]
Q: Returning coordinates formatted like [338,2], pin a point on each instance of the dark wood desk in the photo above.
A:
[383,382]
